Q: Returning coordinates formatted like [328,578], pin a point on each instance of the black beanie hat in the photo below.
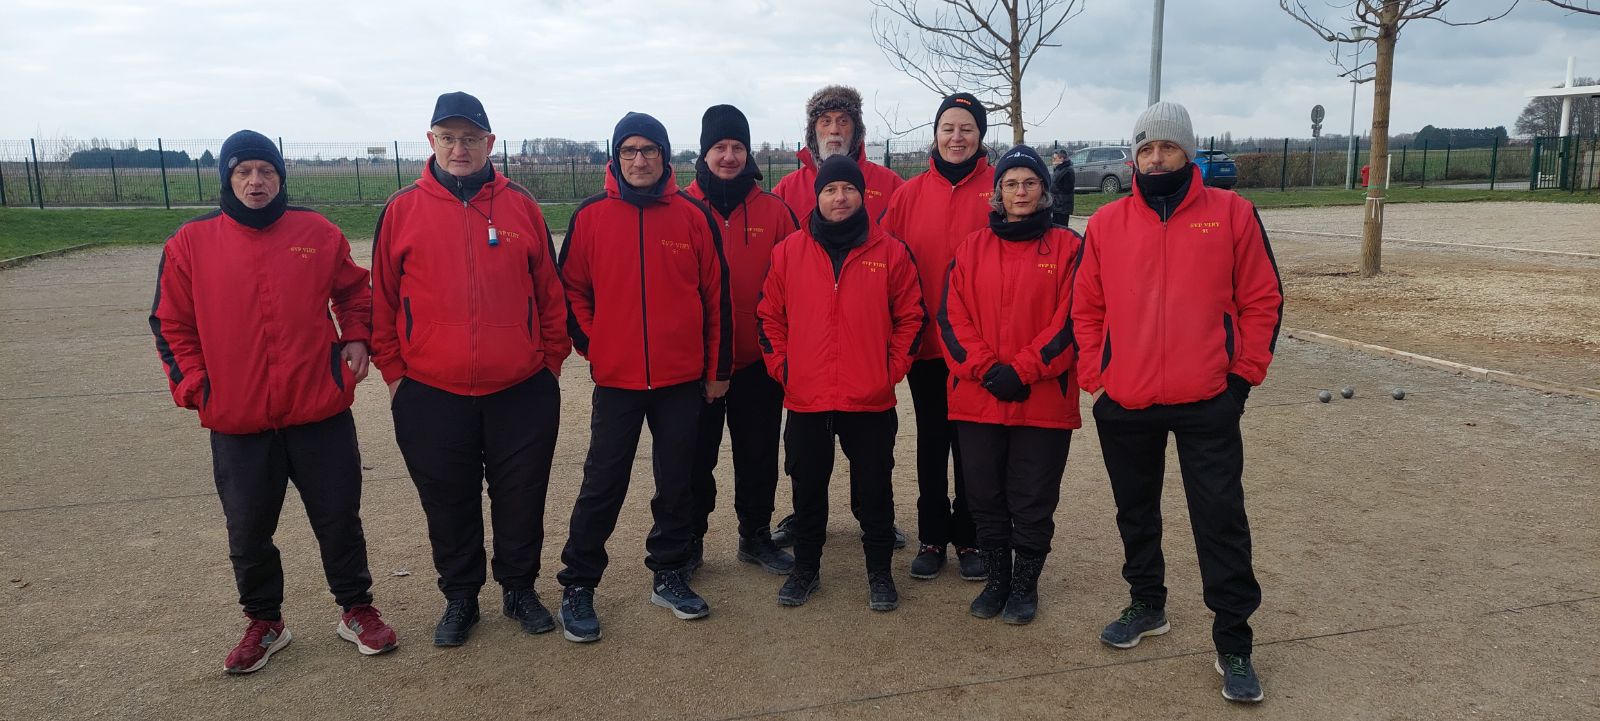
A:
[644,126]
[836,168]
[966,102]
[723,122]
[248,145]
[1022,156]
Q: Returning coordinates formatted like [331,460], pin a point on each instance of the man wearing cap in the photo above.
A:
[934,213]
[840,316]
[833,127]
[1195,263]
[650,308]
[469,333]
[751,221]
[242,325]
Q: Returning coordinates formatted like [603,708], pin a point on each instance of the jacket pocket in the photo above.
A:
[335,366]
[1227,335]
[1105,351]
[503,353]
[530,317]
[406,303]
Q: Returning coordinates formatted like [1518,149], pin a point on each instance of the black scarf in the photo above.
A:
[955,172]
[258,219]
[465,189]
[726,195]
[643,198]
[1032,227]
[841,237]
[1164,192]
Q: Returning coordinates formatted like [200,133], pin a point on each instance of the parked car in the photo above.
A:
[1106,168]
[1217,168]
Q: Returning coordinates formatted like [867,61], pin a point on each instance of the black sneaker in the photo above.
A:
[1239,682]
[881,595]
[1137,621]
[973,567]
[697,556]
[783,535]
[524,606]
[760,550]
[928,562]
[460,615]
[670,590]
[578,622]
[797,589]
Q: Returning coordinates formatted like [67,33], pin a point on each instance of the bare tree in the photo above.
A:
[1386,18]
[1586,7]
[975,46]
[1542,116]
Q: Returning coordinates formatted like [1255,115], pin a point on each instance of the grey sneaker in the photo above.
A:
[1239,682]
[1138,620]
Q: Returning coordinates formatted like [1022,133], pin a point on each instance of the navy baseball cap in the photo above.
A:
[460,105]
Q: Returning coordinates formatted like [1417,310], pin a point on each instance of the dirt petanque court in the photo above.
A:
[1436,557]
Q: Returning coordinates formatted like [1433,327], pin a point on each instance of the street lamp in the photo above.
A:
[1358,32]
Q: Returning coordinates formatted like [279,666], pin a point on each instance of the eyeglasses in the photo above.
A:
[1012,186]
[650,152]
[470,142]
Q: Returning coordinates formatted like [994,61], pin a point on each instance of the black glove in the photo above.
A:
[1003,383]
[1239,388]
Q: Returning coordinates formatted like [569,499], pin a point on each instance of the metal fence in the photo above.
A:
[167,173]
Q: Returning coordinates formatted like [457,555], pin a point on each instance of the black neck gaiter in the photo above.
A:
[840,237]
[955,172]
[726,195]
[247,216]
[465,189]
[1029,228]
[1164,192]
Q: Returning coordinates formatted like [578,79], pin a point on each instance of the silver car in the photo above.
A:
[1104,167]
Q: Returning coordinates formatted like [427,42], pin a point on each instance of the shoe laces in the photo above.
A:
[255,632]
[930,548]
[1133,611]
[580,602]
[965,550]
[364,615]
[674,583]
[1238,664]
[524,601]
[880,583]
[455,612]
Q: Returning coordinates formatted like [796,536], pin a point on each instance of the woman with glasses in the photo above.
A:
[1014,395]
[933,213]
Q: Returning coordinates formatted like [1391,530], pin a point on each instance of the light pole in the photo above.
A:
[1155,52]
[1358,32]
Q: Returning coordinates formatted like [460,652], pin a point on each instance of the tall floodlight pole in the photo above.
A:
[1358,32]
[1155,53]
[1566,102]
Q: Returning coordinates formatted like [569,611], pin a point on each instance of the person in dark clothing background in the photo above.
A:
[1063,183]
[1219,309]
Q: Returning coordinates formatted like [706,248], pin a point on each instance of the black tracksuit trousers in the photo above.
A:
[1014,483]
[453,445]
[939,521]
[1211,458]
[252,472]
[868,442]
[673,414]
[753,412]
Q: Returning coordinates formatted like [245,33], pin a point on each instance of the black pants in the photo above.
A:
[452,445]
[252,473]
[1211,458]
[753,410]
[939,522]
[673,415]
[1014,483]
[868,442]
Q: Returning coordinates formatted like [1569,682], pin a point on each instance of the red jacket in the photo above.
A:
[241,320]
[648,290]
[933,217]
[840,343]
[454,312]
[747,239]
[1009,302]
[1163,312]
[797,188]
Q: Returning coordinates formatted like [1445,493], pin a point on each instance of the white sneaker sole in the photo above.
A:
[349,634]
[1218,666]
[577,639]
[1157,631]
[283,640]
[656,599]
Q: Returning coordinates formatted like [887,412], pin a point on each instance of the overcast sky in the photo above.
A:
[366,71]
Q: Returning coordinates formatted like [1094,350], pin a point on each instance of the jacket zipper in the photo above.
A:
[644,306]
[472,296]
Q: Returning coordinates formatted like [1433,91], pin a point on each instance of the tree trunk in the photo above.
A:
[1383,81]
[1017,128]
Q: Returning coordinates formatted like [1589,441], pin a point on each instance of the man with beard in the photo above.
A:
[833,127]
[751,221]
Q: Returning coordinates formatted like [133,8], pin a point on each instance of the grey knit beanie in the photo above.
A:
[1164,121]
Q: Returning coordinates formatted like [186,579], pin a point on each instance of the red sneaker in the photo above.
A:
[261,640]
[362,626]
